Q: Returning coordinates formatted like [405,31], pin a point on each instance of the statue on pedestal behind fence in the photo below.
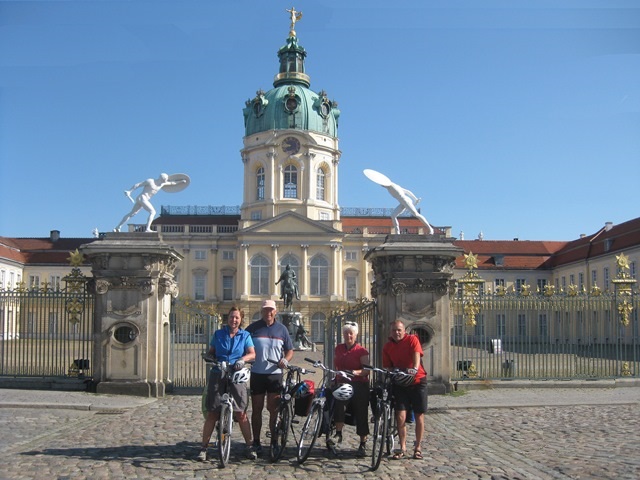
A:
[289,286]
[168,183]
[407,199]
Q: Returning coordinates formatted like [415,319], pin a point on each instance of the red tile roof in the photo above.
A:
[604,241]
[38,251]
[509,254]
[492,254]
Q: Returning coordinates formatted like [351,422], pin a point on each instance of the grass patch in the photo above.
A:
[457,393]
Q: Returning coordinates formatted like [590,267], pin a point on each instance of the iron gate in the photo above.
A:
[47,330]
[550,333]
[365,314]
[192,325]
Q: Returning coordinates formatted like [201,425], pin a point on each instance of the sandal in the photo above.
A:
[399,454]
[417,454]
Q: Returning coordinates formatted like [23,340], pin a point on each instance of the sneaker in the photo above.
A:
[338,437]
[202,456]
[250,452]
[362,450]
[257,448]
[331,444]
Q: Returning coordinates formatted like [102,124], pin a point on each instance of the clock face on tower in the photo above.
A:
[291,145]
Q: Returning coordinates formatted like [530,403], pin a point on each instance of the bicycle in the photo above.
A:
[224,426]
[292,387]
[315,420]
[385,428]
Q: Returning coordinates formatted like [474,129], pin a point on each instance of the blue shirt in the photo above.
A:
[271,343]
[230,349]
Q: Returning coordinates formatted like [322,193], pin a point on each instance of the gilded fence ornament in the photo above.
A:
[189,306]
[625,370]
[473,371]
[75,258]
[74,308]
[76,284]
[625,309]
[623,284]
[572,290]
[471,289]
[525,290]
[471,309]
[596,291]
[470,261]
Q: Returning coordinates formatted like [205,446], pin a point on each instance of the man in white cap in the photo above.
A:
[272,342]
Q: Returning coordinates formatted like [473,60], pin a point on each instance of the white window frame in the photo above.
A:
[199,285]
[260,183]
[320,184]
[227,287]
[351,255]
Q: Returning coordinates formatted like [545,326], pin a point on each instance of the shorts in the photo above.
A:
[216,387]
[411,398]
[262,383]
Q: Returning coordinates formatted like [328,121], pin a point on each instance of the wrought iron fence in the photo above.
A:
[547,334]
[47,330]
[192,325]
[365,314]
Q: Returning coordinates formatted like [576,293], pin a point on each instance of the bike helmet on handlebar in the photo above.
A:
[402,379]
[241,376]
[343,392]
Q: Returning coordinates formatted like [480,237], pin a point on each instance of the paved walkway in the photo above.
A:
[507,433]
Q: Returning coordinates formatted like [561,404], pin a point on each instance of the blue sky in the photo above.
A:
[514,118]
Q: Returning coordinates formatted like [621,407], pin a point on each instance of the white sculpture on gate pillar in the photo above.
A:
[168,183]
[407,199]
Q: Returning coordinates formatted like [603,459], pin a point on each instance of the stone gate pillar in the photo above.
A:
[413,281]
[134,285]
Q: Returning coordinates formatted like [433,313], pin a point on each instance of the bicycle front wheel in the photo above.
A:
[281,432]
[380,427]
[224,434]
[392,430]
[310,432]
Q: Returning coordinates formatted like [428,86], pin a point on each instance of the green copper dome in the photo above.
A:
[291,104]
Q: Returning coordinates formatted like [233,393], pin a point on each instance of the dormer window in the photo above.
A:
[499,260]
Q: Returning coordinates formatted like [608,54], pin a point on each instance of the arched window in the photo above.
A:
[290,184]
[292,261]
[319,275]
[318,322]
[260,272]
[320,179]
[260,179]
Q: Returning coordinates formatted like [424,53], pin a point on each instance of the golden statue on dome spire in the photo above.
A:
[295,17]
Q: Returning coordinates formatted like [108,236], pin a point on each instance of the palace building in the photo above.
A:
[289,214]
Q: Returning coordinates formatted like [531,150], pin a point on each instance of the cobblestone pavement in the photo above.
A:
[467,438]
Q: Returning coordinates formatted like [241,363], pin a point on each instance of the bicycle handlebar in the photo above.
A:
[345,373]
[392,373]
[292,367]
[223,364]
